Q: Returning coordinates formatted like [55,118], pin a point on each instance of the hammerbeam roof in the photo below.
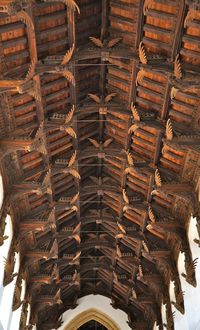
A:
[99,152]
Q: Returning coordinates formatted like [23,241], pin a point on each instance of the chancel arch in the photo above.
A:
[95,307]
[90,315]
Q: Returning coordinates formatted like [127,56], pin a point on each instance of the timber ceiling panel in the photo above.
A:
[99,149]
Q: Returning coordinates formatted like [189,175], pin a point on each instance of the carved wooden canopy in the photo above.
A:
[100,152]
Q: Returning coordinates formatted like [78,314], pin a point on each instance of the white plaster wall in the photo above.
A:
[100,303]
[191,319]
[1,191]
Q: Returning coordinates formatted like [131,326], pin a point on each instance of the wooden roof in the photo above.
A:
[100,152]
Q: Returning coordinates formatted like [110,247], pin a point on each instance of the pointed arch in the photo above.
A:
[92,314]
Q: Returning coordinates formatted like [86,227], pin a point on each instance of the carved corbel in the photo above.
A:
[23,317]
[9,264]
[190,267]
[17,294]
[179,295]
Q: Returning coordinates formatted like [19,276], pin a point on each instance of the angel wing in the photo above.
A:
[142,54]
[69,76]
[94,142]
[68,56]
[115,278]
[133,128]
[72,159]
[130,159]
[119,254]
[95,97]
[113,42]
[77,238]
[71,132]
[177,68]
[125,197]
[74,276]
[70,115]
[145,246]
[107,143]
[149,227]
[109,97]
[158,180]
[151,215]
[135,113]
[140,271]
[31,71]
[76,256]
[119,236]
[133,293]
[173,92]
[140,76]
[74,199]
[75,173]
[77,228]
[169,130]
[74,208]
[97,42]
[57,297]
[53,253]
[192,267]
[121,228]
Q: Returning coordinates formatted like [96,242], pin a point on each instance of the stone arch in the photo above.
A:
[92,314]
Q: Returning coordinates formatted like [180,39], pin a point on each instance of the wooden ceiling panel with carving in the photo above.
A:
[99,151]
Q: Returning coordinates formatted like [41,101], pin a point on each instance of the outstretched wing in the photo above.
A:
[121,228]
[173,92]
[97,42]
[151,215]
[109,97]
[133,128]
[70,115]
[114,42]
[68,56]
[76,256]
[169,130]
[77,228]
[94,142]
[130,159]
[125,197]
[71,132]
[107,142]
[177,68]
[75,174]
[72,159]
[95,98]
[158,180]
[69,76]
[74,199]
[135,113]
[142,54]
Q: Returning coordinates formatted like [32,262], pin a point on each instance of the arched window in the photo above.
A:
[92,325]
[90,319]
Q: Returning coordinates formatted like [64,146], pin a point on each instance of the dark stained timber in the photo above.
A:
[100,153]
